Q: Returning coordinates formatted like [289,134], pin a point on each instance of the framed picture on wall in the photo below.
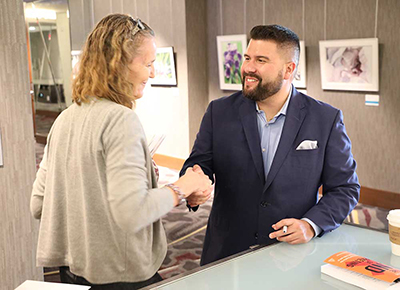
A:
[230,58]
[1,152]
[164,66]
[350,65]
[299,80]
[75,56]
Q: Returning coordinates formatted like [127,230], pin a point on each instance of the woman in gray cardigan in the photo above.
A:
[96,192]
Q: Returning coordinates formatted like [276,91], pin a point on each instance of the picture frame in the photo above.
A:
[231,49]
[1,151]
[164,68]
[350,65]
[299,80]
[75,58]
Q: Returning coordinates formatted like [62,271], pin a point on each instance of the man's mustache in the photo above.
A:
[252,76]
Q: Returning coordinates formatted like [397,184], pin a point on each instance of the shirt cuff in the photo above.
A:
[316,228]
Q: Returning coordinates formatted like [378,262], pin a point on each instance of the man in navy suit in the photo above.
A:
[269,148]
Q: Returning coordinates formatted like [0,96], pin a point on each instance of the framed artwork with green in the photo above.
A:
[230,58]
[164,66]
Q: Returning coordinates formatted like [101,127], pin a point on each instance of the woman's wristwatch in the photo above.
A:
[178,192]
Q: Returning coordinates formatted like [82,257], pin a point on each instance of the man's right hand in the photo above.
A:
[194,180]
[199,197]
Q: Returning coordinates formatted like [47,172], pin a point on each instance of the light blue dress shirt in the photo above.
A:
[270,134]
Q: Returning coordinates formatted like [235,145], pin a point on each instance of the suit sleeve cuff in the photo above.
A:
[195,208]
[316,228]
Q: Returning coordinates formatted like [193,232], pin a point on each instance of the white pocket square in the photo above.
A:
[307,145]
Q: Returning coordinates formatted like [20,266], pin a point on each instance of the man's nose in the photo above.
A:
[248,67]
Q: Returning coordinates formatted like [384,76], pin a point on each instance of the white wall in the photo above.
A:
[64,44]
[165,111]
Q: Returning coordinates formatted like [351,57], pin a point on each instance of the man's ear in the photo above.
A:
[290,70]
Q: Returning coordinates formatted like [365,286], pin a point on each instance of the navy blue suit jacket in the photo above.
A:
[245,204]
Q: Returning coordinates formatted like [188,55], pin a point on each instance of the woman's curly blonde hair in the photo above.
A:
[107,53]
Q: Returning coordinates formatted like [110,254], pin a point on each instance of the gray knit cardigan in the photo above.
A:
[96,196]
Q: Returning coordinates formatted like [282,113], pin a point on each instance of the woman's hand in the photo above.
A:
[193,181]
[199,197]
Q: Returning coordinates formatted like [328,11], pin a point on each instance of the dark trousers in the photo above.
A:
[70,278]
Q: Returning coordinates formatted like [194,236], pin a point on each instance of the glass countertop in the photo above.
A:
[284,266]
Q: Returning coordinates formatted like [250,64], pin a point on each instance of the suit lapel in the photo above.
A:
[294,118]
[248,117]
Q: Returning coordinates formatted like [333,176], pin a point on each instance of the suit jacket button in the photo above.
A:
[264,204]
[256,235]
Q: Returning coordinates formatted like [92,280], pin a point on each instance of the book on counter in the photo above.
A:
[361,272]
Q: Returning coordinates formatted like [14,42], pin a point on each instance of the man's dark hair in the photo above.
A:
[282,36]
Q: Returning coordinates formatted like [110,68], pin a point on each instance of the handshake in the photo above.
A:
[195,186]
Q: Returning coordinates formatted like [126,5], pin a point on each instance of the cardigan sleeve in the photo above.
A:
[37,196]
[133,203]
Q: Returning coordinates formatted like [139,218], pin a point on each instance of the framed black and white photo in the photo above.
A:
[164,66]
[299,80]
[350,65]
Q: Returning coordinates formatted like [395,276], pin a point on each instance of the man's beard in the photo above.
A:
[263,90]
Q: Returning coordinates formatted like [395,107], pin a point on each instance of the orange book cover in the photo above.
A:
[364,266]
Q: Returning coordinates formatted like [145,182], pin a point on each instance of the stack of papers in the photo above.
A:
[155,142]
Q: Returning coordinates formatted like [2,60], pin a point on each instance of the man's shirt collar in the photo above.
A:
[283,110]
